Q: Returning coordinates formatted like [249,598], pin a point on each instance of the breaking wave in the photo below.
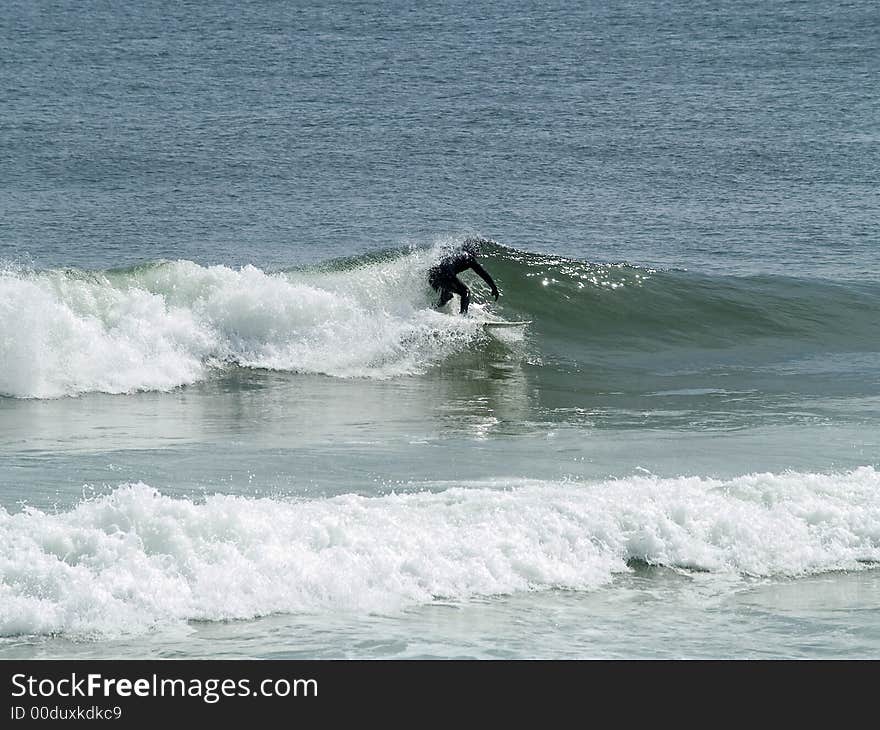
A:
[136,559]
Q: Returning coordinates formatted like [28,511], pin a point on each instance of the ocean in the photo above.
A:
[233,423]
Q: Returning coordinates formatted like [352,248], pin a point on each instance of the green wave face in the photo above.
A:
[623,308]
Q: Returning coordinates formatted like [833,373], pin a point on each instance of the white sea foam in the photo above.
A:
[155,328]
[136,559]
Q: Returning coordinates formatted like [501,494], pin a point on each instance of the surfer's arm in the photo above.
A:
[484,275]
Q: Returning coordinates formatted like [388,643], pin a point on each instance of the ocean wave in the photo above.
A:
[159,326]
[135,559]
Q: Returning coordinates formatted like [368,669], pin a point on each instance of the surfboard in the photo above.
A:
[502,323]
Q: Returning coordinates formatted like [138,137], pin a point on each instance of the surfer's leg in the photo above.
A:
[441,281]
[459,288]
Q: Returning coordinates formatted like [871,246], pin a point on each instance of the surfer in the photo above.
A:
[444,275]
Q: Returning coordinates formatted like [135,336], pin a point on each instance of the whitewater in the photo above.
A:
[169,324]
[133,560]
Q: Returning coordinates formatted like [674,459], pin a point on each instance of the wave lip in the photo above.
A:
[135,559]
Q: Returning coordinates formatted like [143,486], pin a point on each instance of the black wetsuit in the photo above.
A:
[444,277]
